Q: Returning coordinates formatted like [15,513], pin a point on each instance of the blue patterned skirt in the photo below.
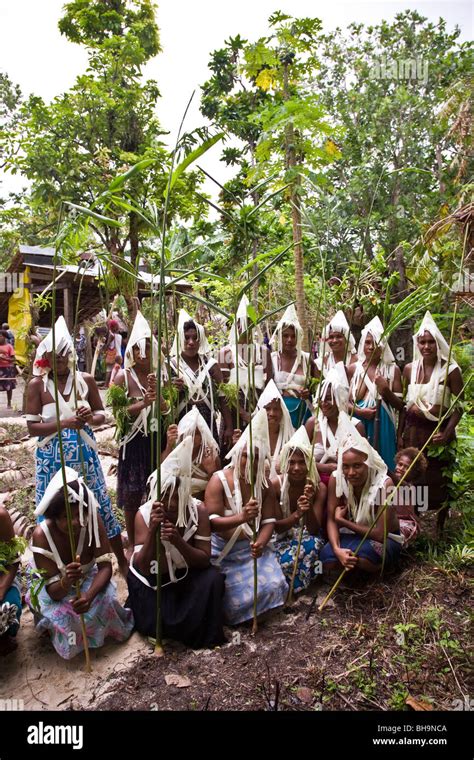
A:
[237,567]
[308,563]
[48,463]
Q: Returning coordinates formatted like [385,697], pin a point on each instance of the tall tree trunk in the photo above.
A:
[291,163]
[401,340]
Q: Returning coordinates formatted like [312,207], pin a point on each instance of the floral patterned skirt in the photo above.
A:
[105,617]
[308,565]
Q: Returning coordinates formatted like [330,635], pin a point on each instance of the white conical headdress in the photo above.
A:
[375,328]
[336,381]
[338,324]
[177,465]
[261,443]
[363,512]
[289,319]
[271,393]
[63,344]
[298,442]
[56,485]
[429,325]
[429,397]
[183,317]
[241,318]
[141,331]
[193,421]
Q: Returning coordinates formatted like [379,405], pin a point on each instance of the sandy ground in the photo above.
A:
[37,675]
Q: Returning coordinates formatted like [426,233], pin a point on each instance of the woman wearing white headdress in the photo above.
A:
[337,344]
[431,385]
[300,496]
[256,353]
[136,434]
[280,428]
[376,390]
[192,589]
[205,455]
[332,420]
[232,512]
[80,407]
[59,609]
[292,367]
[196,374]
[357,493]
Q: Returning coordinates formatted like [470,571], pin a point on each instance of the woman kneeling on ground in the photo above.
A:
[363,531]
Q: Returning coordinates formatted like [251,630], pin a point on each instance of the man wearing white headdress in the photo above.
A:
[292,367]
[59,608]
[80,407]
[233,512]
[192,589]
[376,390]
[357,495]
[237,373]
[332,421]
[300,497]
[280,428]
[337,344]
[431,383]
[195,375]
[134,389]
[205,454]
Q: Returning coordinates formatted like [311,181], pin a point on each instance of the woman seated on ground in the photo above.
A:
[332,421]
[10,590]
[407,498]
[280,428]
[192,589]
[363,532]
[60,607]
[205,454]
[234,515]
[300,503]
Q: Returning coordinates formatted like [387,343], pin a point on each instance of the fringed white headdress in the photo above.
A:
[261,443]
[63,345]
[298,442]
[177,465]
[336,382]
[375,329]
[56,485]
[386,365]
[363,511]
[241,318]
[426,396]
[141,331]
[183,317]
[338,324]
[271,393]
[193,421]
[289,319]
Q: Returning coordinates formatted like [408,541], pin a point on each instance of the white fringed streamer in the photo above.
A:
[56,485]
[298,442]
[361,512]
[271,393]
[177,465]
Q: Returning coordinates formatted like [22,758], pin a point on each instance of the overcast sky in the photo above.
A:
[41,61]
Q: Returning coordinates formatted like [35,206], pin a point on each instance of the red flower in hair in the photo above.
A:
[42,363]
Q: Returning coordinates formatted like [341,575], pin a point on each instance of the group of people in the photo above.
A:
[299,476]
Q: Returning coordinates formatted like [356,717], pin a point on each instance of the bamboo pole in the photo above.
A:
[72,542]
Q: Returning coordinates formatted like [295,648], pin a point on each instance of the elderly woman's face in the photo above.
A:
[139,361]
[336,341]
[274,413]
